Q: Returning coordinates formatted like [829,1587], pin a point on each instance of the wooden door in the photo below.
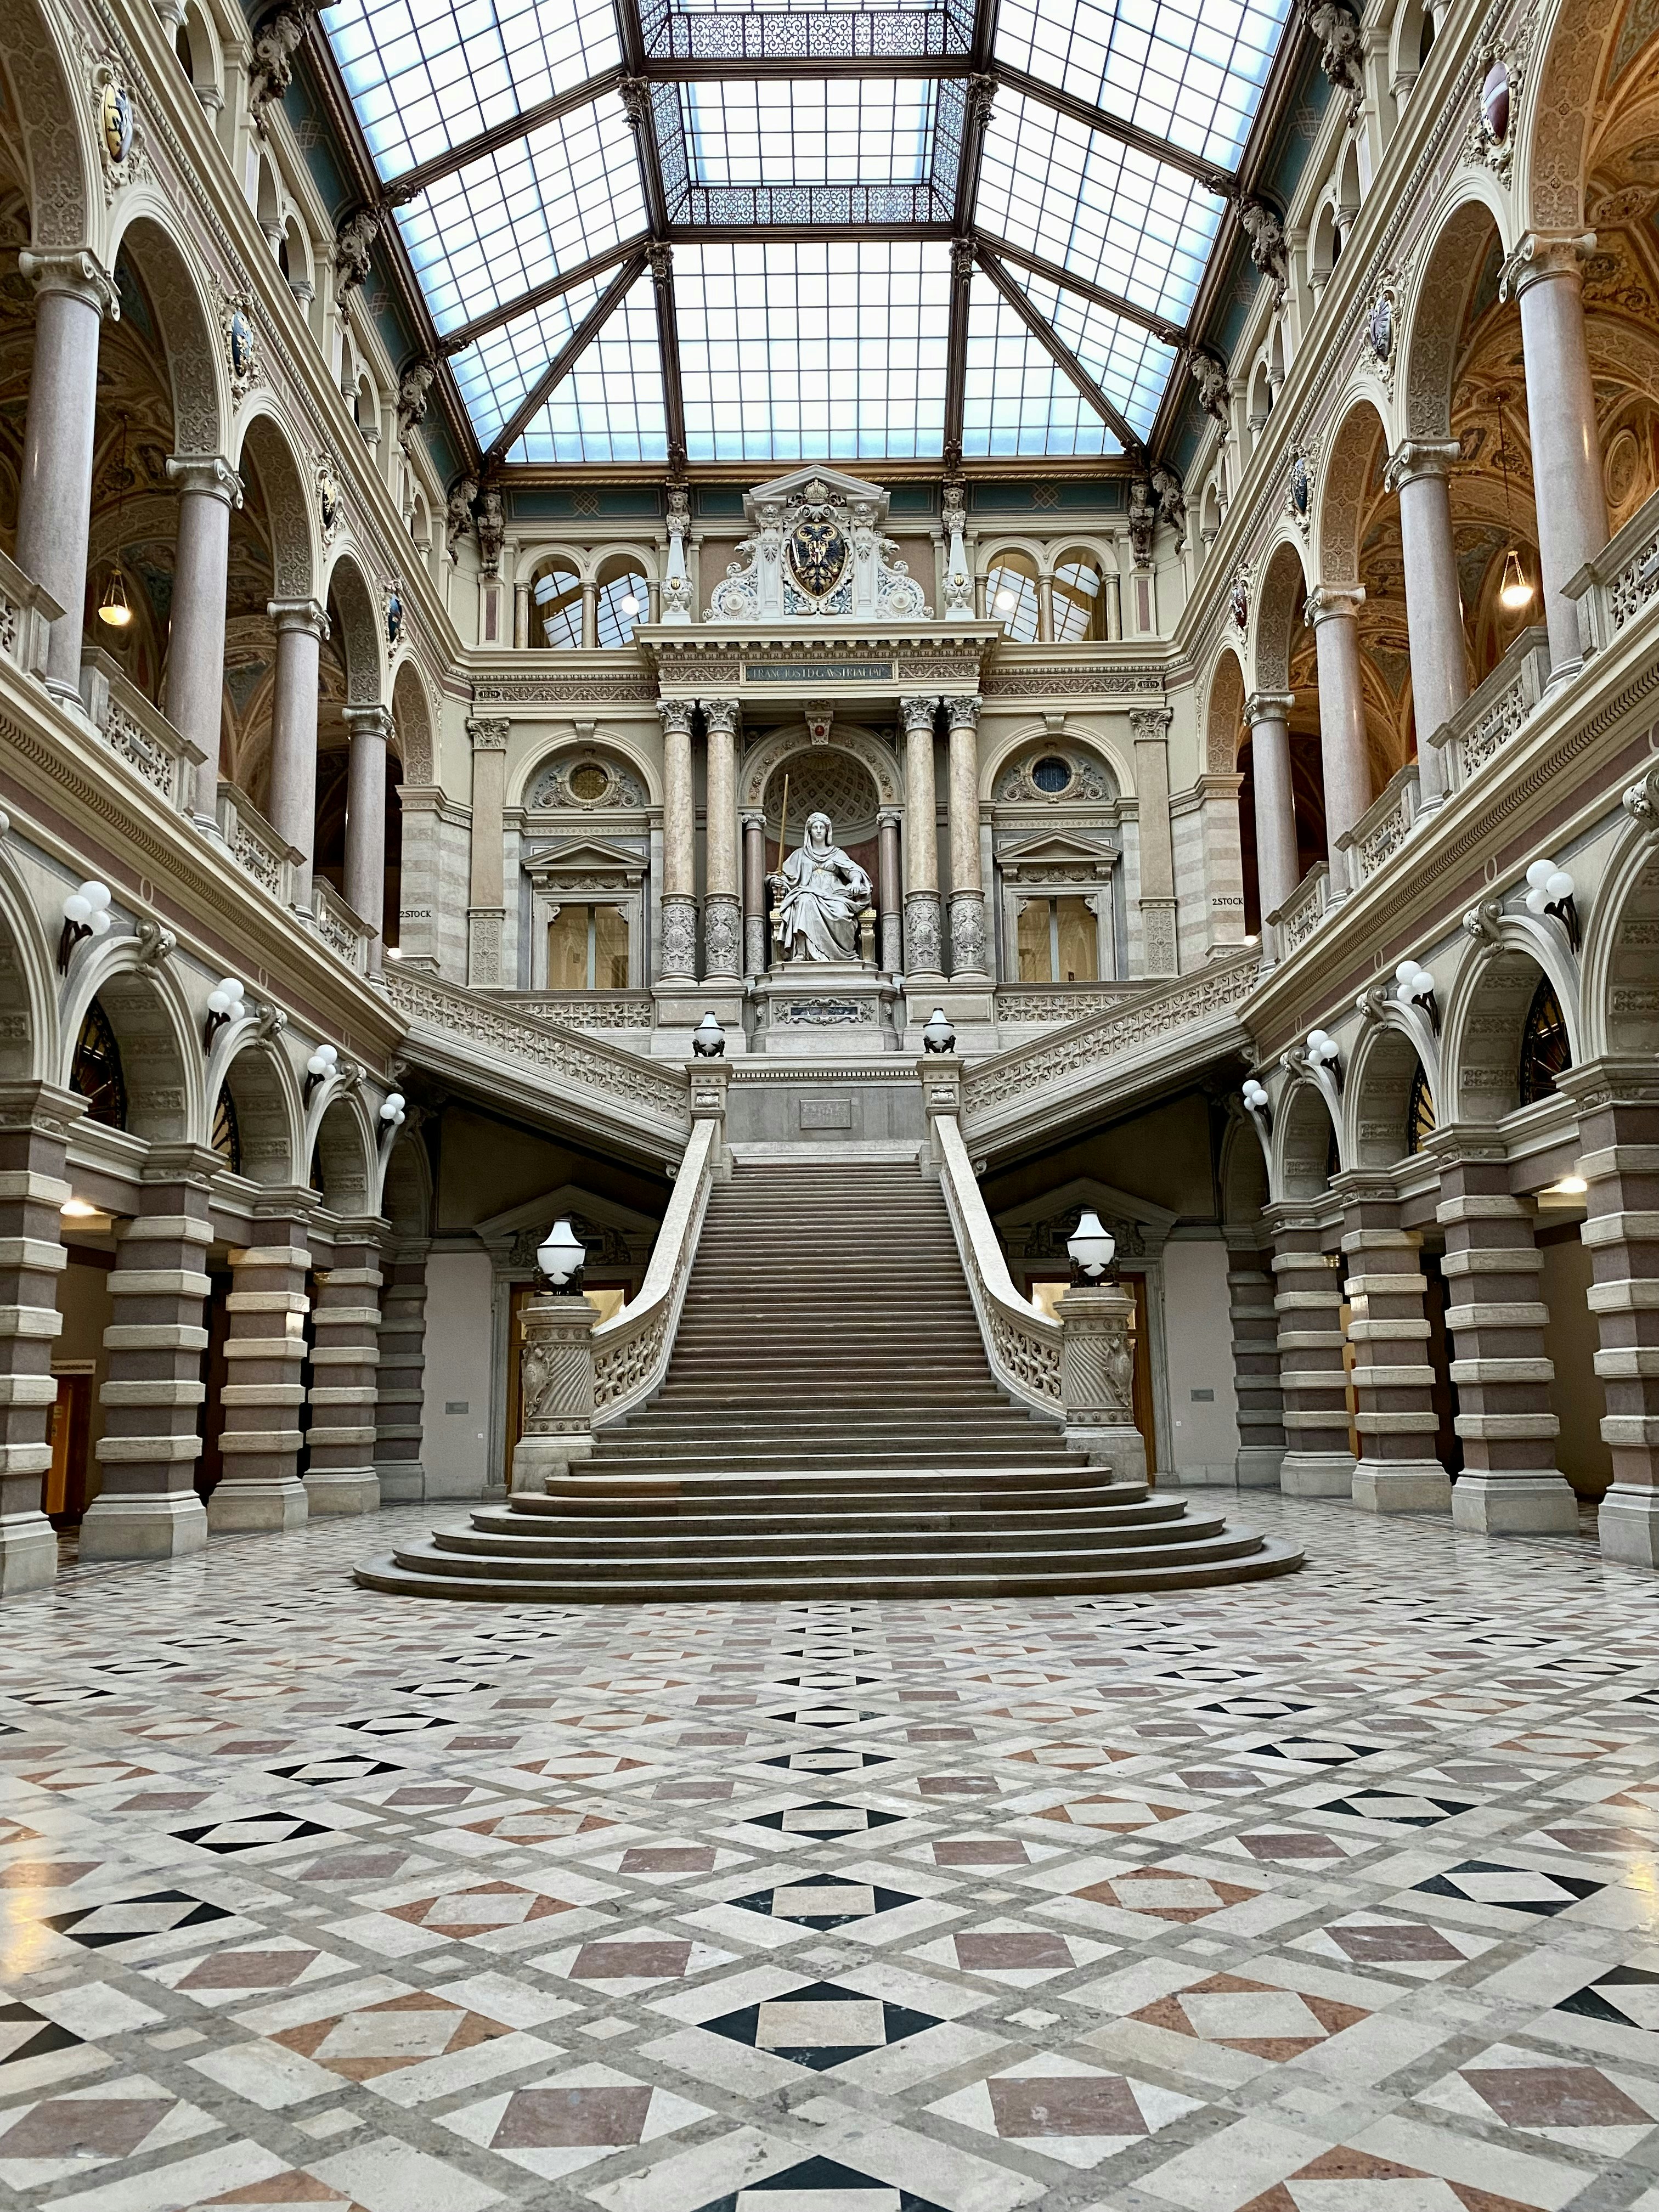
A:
[63,1487]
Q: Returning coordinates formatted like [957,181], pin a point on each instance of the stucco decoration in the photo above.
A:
[60,198]
[188,340]
[1347,474]
[816,546]
[584,779]
[1565,113]
[1225,716]
[413,716]
[764,759]
[1278,617]
[287,507]
[1436,331]
[356,626]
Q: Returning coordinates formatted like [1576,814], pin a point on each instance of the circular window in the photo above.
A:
[1051,774]
[588,782]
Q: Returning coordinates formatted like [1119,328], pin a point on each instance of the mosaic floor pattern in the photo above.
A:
[1339,1894]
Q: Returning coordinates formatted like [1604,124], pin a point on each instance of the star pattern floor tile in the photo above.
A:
[1327,1895]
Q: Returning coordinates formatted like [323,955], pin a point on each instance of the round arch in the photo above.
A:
[1620,963]
[414,721]
[1486,1013]
[1377,1093]
[155,1031]
[28,991]
[263,439]
[1344,481]
[341,1151]
[1280,601]
[57,126]
[406,1194]
[1244,1180]
[347,594]
[1224,713]
[1080,731]
[1435,312]
[269,1112]
[200,407]
[605,739]
[1550,165]
[1304,1137]
[782,744]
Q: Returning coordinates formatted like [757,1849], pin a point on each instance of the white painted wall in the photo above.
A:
[1198,1349]
[454,1446]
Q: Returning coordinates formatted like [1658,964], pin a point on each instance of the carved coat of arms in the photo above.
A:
[818,553]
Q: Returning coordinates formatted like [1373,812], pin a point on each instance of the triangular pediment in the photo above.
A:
[1056,850]
[613,1233]
[587,856]
[849,491]
[1039,1227]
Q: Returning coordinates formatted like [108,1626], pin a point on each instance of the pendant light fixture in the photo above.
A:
[114,608]
[1515,591]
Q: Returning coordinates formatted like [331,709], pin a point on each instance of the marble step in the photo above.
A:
[413,1572]
[755,1491]
[830,1542]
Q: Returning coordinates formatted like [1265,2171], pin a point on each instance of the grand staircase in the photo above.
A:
[828,1427]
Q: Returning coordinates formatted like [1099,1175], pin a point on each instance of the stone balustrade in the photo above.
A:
[1621,583]
[1495,710]
[27,612]
[581,1010]
[631,1350]
[137,733]
[345,932]
[1383,829]
[1287,929]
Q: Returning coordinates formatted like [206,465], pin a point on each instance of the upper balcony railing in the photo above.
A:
[1496,710]
[1621,583]
[136,732]
[27,614]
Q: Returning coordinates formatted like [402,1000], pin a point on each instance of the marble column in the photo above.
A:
[1510,1482]
[1393,1382]
[1546,274]
[267,1307]
[301,626]
[73,294]
[754,894]
[1149,730]
[1618,1104]
[721,911]
[1277,873]
[1434,601]
[365,837]
[1333,614]
[680,879]
[345,1352]
[486,908]
[590,615]
[923,950]
[400,1377]
[207,489]
[889,898]
[148,1507]
[521,615]
[1255,1367]
[968,960]
[1318,1459]
[36,1120]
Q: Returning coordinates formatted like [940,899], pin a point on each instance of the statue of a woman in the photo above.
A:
[820,895]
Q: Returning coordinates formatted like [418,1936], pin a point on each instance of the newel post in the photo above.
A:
[941,1095]
[1097,1372]
[555,1384]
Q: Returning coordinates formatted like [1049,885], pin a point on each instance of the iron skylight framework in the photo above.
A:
[772,230]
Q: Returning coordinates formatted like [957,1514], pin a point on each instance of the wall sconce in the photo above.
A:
[1414,985]
[86,914]
[1323,1051]
[392,1110]
[319,1068]
[225,1004]
[1255,1099]
[1550,890]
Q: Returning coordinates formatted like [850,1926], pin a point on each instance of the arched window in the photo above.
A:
[624,598]
[1419,1110]
[1080,601]
[557,592]
[227,1131]
[96,1073]
[1544,1052]
[1011,596]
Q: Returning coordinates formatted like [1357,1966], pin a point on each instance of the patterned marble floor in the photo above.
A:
[1334,1894]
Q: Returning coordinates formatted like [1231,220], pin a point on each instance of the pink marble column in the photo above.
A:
[301,626]
[365,838]
[207,489]
[1544,274]
[967,951]
[54,495]
[1434,603]
[1333,613]
[1276,871]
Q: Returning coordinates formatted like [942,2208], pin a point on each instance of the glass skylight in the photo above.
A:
[794,352]
[494,372]
[1017,399]
[849,130]
[609,408]
[1192,70]
[1130,365]
[1107,212]
[515,218]
[428,74]
[812,32]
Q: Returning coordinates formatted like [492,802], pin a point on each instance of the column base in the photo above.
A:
[1628,1524]
[1257,1466]
[1539,1503]
[1121,1449]
[165,1526]
[278,1502]
[1316,1475]
[343,1490]
[538,1459]
[1401,1486]
[28,1553]
[402,1483]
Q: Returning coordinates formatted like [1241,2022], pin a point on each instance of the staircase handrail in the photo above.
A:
[632,1349]
[1021,1342]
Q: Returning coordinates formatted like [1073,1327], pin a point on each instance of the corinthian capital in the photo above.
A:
[918,713]
[675,715]
[81,274]
[720,715]
[1544,253]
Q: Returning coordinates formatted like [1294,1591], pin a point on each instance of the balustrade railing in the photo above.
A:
[27,614]
[1285,930]
[137,733]
[1021,1342]
[341,928]
[1496,709]
[1018,1003]
[1621,583]
[631,1351]
[582,1009]
[1383,829]
[258,850]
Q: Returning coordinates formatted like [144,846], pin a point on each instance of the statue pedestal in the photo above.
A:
[825,1010]
[555,1374]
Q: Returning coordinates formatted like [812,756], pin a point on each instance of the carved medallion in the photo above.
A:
[116,118]
[239,345]
[328,498]
[1379,328]
[1241,603]
[1301,484]
[394,614]
[817,554]
[1495,103]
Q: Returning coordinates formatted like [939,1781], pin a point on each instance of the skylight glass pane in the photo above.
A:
[1128,363]
[1190,70]
[428,74]
[609,408]
[1112,214]
[849,130]
[813,32]
[494,372]
[1016,398]
[819,351]
[510,221]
